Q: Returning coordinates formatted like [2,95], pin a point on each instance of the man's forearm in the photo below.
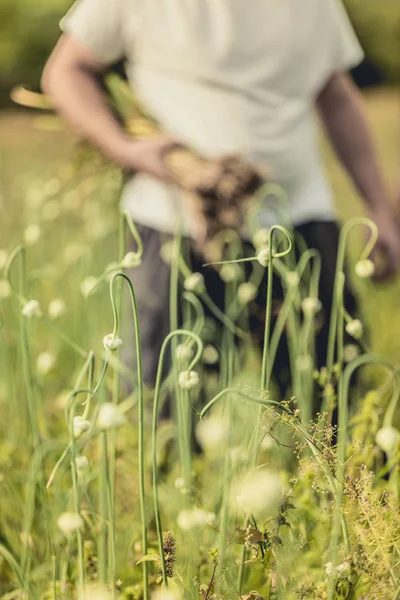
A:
[343,115]
[87,110]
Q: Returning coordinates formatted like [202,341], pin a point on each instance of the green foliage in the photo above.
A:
[378,26]
[29,30]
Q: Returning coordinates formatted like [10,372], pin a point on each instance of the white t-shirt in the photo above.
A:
[226,77]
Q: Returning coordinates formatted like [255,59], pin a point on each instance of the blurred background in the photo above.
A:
[36,152]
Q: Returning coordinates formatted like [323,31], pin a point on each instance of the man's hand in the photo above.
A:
[146,155]
[386,254]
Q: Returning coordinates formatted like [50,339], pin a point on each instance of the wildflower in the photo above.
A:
[212,433]
[210,355]
[111,342]
[261,239]
[365,268]
[88,285]
[191,518]
[130,261]
[350,352]
[195,283]
[31,234]
[259,492]
[45,362]
[292,279]
[247,292]
[5,289]
[80,425]
[169,545]
[188,380]
[340,571]
[3,258]
[180,485]
[184,352]
[69,522]
[311,306]
[355,328]
[228,273]
[32,309]
[109,417]
[263,257]
[387,439]
[56,308]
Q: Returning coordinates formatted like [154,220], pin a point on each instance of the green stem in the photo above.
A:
[197,357]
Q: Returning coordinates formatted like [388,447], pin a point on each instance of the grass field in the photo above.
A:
[98,500]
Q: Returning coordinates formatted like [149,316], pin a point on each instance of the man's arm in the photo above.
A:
[70,81]
[342,113]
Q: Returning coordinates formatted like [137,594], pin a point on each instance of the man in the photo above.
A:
[224,77]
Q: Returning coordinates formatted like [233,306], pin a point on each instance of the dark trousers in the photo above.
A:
[151,282]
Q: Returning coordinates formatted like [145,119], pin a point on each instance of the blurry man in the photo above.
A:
[224,77]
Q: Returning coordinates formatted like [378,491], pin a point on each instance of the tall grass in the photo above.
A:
[240,493]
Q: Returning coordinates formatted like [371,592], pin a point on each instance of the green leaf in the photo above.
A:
[149,558]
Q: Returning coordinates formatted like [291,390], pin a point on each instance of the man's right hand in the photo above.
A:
[145,155]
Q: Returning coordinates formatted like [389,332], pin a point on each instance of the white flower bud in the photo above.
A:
[69,522]
[88,286]
[340,571]
[193,518]
[350,353]
[95,592]
[387,439]
[167,594]
[109,417]
[247,292]
[45,362]
[131,260]
[184,352]
[195,283]
[82,466]
[263,257]
[56,308]
[180,485]
[80,425]
[32,309]
[292,279]
[167,252]
[188,380]
[111,342]
[304,362]
[365,268]
[5,289]
[213,433]
[32,234]
[311,306]
[355,329]
[261,239]
[210,355]
[228,273]
[258,493]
